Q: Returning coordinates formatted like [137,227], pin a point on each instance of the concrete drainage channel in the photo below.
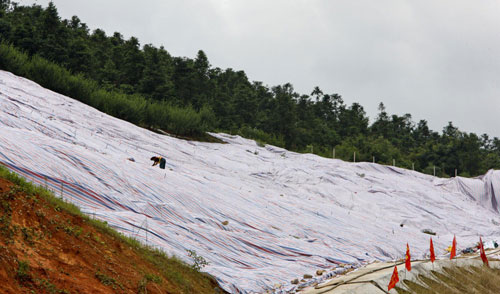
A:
[375,277]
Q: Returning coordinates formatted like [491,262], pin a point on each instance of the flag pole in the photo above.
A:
[406,270]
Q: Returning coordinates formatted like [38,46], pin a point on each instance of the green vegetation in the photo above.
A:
[149,87]
[456,280]
[22,273]
[6,228]
[107,281]
[142,288]
[199,261]
[31,190]
[50,288]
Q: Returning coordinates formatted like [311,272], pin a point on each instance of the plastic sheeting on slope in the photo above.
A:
[288,214]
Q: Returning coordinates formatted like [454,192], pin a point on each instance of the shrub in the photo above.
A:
[261,137]
[199,261]
[22,271]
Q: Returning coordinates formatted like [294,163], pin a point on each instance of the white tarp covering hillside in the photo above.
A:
[288,214]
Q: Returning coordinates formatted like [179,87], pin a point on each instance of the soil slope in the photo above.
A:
[45,249]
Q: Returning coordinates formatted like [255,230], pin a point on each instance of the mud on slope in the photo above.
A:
[44,249]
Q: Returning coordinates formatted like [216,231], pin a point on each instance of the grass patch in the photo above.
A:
[31,190]
[143,283]
[107,280]
[51,288]
[152,278]
[22,273]
[470,279]
[28,235]
[6,217]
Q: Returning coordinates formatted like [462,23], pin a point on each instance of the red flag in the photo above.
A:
[453,251]
[483,254]
[408,258]
[394,279]
[433,256]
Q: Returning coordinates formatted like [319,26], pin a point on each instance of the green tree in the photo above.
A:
[284,118]
[156,77]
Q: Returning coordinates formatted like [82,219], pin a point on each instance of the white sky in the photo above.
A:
[437,60]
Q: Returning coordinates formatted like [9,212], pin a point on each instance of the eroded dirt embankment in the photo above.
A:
[44,249]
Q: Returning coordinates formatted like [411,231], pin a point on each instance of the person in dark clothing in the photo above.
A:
[160,160]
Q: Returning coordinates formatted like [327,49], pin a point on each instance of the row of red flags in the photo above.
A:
[395,277]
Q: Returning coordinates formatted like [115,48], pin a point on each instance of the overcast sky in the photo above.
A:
[437,60]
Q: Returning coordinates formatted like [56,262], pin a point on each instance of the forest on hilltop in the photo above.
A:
[188,96]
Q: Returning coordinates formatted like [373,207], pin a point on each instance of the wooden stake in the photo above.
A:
[146,230]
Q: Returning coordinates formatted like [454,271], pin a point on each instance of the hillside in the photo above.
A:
[261,216]
[187,96]
[47,246]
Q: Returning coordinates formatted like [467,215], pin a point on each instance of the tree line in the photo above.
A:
[187,96]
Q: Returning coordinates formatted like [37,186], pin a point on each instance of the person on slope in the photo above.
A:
[160,160]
